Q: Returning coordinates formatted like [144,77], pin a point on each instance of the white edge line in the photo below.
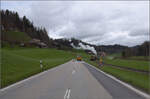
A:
[123,83]
[31,77]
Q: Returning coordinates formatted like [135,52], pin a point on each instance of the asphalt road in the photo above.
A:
[72,80]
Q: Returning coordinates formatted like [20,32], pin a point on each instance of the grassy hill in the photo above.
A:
[15,36]
[20,63]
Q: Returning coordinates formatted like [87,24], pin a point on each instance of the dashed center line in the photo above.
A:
[73,71]
[67,94]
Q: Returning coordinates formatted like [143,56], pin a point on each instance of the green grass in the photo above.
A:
[20,63]
[138,80]
[114,55]
[16,36]
[141,65]
[144,58]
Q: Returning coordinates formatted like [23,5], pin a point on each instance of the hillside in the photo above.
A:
[15,36]
[19,63]
[11,21]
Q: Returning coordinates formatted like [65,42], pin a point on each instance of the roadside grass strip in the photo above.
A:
[136,64]
[120,80]
[138,80]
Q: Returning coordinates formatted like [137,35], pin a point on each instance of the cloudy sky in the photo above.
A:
[95,22]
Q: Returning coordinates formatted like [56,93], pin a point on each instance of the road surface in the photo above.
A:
[72,80]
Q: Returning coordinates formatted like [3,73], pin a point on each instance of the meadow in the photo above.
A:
[20,63]
[136,64]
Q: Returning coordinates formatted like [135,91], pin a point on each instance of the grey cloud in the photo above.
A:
[96,22]
[139,32]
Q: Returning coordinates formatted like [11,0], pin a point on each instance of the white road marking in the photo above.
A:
[73,71]
[123,83]
[67,94]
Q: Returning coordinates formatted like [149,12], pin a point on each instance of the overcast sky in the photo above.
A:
[95,22]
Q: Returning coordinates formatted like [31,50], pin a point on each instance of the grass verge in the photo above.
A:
[140,65]
[138,80]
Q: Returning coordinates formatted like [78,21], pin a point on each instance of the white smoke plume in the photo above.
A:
[85,47]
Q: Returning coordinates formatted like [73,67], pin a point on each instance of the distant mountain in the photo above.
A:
[78,44]
[111,48]
[73,44]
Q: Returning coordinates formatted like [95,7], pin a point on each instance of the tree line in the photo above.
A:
[11,21]
[139,50]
